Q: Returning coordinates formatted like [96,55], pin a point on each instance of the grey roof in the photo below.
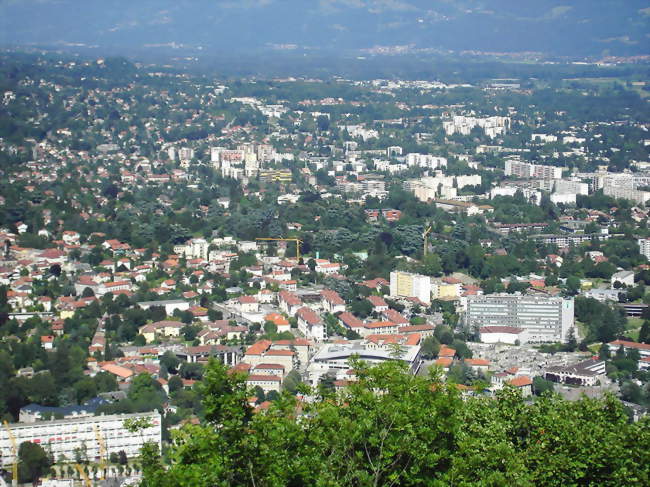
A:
[88,407]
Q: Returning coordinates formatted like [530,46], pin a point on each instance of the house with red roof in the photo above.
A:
[478,364]
[523,383]
[47,342]
[378,304]
[351,322]
[310,324]
[331,301]
[642,348]
[289,302]
[281,323]
[394,317]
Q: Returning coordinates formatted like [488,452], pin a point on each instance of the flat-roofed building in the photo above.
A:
[585,373]
[63,437]
[545,319]
[408,285]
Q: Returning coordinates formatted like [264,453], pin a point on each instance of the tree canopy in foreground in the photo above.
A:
[392,428]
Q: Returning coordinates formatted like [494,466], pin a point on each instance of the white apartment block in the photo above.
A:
[63,437]
[565,186]
[546,319]
[644,247]
[532,195]
[440,186]
[197,248]
[543,138]
[186,154]
[408,285]
[563,198]
[425,160]
[640,197]
[492,126]
[526,170]
[360,131]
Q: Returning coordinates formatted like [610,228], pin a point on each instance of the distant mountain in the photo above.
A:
[558,27]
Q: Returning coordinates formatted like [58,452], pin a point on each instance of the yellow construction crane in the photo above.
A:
[102,452]
[83,475]
[297,240]
[14,450]
[426,242]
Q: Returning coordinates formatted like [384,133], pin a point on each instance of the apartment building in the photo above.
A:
[408,285]
[623,192]
[63,437]
[644,247]
[526,170]
[545,319]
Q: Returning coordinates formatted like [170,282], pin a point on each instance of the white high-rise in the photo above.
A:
[546,319]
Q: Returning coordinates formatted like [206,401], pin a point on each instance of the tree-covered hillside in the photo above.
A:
[392,428]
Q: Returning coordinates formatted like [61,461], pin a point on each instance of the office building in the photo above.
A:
[545,319]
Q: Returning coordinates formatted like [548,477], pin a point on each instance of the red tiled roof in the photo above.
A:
[279,353]
[332,296]
[446,351]
[395,317]
[269,366]
[309,316]
[522,381]
[477,362]
[377,301]
[350,320]
[121,372]
[258,348]
[629,344]
[379,324]
[444,361]
[290,298]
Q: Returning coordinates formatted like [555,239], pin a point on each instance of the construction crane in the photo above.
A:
[14,450]
[426,242]
[83,475]
[297,240]
[102,452]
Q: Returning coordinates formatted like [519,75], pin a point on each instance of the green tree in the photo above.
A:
[33,462]
[644,332]
[430,265]
[402,429]
[430,347]
[541,385]
[572,285]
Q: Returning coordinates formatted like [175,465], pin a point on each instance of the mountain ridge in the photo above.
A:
[583,28]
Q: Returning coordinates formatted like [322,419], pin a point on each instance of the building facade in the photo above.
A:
[644,247]
[408,285]
[63,437]
[545,319]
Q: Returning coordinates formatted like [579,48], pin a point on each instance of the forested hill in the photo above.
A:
[416,432]
[575,28]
